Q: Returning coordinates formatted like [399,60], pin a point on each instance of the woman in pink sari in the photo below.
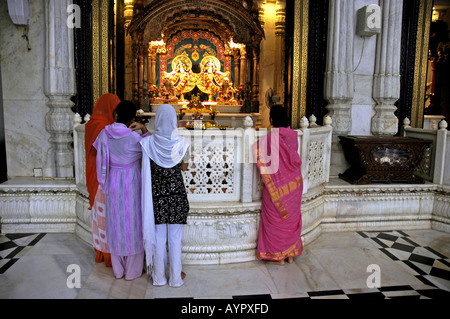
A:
[279,163]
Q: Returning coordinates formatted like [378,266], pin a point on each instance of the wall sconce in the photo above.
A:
[19,11]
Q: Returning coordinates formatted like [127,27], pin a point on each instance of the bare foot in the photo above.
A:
[183,275]
[291,260]
[274,262]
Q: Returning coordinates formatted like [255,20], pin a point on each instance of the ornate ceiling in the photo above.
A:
[230,19]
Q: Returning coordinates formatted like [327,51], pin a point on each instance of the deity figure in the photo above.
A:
[167,92]
[210,79]
[182,77]
[227,92]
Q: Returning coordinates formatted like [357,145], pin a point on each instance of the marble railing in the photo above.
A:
[223,186]
[222,165]
[434,166]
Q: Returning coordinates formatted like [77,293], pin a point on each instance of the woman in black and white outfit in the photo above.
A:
[165,205]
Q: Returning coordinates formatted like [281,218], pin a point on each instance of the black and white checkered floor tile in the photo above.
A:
[12,247]
[391,292]
[430,267]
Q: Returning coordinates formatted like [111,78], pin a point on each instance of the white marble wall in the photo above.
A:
[23,98]
[364,65]
[364,60]
[360,82]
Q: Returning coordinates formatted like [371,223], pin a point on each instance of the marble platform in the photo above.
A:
[227,232]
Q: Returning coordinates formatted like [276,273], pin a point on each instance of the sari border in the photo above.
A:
[290,252]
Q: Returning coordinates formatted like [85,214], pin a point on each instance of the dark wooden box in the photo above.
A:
[382,159]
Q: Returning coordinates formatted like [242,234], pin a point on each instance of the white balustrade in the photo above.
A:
[222,167]
[223,186]
[434,166]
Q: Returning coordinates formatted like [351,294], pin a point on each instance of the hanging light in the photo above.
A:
[19,11]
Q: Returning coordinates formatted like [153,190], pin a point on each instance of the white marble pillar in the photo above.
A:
[339,83]
[386,88]
[59,87]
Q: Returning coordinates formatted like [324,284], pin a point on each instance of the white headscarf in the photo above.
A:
[166,148]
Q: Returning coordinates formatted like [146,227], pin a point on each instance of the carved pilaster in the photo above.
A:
[339,85]
[243,67]
[59,86]
[280,33]
[386,87]
[256,42]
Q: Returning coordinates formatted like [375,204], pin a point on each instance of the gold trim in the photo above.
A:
[300,62]
[421,63]
[105,48]
[290,252]
[100,48]
[95,50]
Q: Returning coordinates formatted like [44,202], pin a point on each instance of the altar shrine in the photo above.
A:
[196,62]
[224,105]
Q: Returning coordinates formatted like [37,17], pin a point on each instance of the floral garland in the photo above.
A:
[210,83]
[180,86]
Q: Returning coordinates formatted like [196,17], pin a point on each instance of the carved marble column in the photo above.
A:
[59,87]
[386,87]
[339,83]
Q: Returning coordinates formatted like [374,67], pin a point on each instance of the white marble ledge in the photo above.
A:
[224,207]
[32,184]
[337,185]
[445,188]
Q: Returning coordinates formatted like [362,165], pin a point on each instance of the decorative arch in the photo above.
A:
[233,24]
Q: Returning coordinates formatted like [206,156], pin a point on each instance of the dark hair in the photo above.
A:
[126,112]
[278,115]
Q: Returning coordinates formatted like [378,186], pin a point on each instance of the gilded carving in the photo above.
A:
[300,62]
[421,63]
[100,48]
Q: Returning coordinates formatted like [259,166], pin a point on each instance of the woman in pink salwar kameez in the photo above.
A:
[279,163]
[119,175]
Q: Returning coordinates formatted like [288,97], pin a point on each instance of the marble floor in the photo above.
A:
[410,263]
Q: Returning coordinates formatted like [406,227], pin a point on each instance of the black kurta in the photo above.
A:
[170,202]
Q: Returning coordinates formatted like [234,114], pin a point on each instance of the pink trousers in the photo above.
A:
[129,266]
